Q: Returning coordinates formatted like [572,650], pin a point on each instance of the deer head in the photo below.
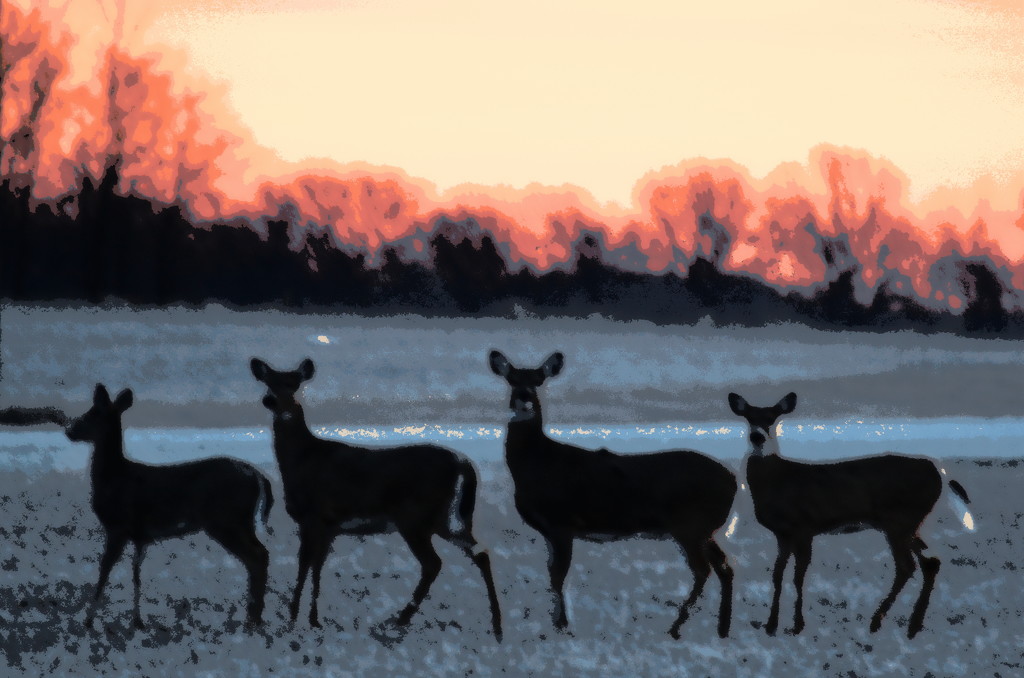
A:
[524,403]
[282,386]
[101,417]
[762,422]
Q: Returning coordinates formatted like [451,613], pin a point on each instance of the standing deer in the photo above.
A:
[891,493]
[144,503]
[333,488]
[566,493]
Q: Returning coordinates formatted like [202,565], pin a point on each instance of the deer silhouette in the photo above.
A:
[567,493]
[145,503]
[891,493]
[333,488]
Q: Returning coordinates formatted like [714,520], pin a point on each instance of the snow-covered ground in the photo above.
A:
[628,387]
[191,368]
[624,597]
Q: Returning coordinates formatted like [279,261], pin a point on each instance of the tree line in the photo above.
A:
[101,247]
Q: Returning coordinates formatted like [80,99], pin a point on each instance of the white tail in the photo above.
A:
[959,507]
[730,531]
[963,513]
[263,511]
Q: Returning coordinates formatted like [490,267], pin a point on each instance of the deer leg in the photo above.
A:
[318,556]
[559,559]
[430,565]
[140,552]
[929,571]
[716,556]
[468,543]
[112,550]
[248,549]
[903,559]
[700,567]
[258,566]
[801,560]
[305,542]
[785,548]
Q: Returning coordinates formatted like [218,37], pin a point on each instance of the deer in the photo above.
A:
[333,488]
[146,503]
[566,493]
[796,501]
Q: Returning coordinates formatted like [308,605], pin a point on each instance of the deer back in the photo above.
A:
[873,491]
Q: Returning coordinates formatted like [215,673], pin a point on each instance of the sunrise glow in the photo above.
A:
[756,136]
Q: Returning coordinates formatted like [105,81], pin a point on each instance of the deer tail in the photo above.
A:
[467,500]
[959,501]
[264,502]
[959,491]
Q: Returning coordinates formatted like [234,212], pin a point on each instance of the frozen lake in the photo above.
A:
[949,438]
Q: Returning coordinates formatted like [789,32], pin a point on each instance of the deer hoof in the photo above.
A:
[388,635]
[876,623]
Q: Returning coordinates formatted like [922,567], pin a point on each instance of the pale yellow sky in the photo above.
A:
[596,94]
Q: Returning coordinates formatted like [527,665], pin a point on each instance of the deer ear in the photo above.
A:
[307,369]
[737,404]
[259,369]
[787,404]
[100,396]
[124,400]
[499,364]
[553,365]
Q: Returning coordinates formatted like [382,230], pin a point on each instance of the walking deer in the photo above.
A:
[144,503]
[333,488]
[891,493]
[567,493]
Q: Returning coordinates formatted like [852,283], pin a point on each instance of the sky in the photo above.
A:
[597,94]
[889,127]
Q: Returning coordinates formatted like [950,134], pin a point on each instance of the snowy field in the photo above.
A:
[628,387]
[191,368]
[623,596]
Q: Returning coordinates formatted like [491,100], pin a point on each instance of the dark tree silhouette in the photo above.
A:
[99,246]
[984,312]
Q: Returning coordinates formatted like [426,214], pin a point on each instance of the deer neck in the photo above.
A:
[763,470]
[108,453]
[525,431]
[291,434]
